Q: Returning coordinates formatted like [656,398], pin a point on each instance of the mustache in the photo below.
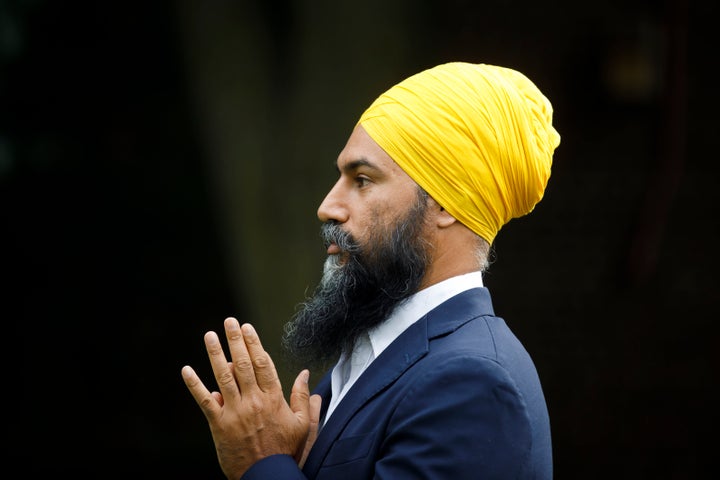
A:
[331,232]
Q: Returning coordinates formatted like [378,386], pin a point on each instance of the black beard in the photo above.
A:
[359,289]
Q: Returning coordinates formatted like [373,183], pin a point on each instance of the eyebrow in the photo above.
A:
[353,165]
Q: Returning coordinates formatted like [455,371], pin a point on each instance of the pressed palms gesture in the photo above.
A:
[249,418]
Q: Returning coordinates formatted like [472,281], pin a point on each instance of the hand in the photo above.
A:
[249,418]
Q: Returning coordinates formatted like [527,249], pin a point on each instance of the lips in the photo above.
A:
[335,240]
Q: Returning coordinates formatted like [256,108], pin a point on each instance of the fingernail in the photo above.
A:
[248,329]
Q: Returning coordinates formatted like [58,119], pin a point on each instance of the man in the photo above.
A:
[428,383]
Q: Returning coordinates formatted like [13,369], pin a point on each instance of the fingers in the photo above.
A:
[251,366]
[209,402]
[241,366]
[265,374]
[249,417]
[223,374]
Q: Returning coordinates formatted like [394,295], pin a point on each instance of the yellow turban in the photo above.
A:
[478,138]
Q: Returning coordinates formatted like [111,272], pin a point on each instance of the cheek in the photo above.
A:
[377,226]
[372,220]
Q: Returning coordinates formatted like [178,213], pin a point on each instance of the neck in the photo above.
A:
[453,254]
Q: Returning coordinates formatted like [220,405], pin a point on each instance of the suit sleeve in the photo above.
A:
[275,466]
[462,418]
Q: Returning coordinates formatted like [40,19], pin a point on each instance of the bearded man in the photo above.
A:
[428,382]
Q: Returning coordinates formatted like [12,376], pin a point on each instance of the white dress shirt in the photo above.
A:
[370,345]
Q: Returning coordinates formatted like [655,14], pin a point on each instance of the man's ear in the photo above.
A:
[442,218]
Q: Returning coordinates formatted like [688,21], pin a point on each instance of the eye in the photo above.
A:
[362,181]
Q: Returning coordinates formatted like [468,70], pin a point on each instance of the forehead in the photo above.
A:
[362,150]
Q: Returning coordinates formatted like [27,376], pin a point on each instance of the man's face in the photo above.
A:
[372,191]
[374,230]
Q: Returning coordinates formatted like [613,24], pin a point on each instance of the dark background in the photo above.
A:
[161,164]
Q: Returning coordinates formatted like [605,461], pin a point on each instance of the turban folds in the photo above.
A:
[478,138]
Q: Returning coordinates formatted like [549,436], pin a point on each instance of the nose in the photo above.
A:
[333,207]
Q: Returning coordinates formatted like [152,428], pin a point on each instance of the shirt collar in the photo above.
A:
[418,305]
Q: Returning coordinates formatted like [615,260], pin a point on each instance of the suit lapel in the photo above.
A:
[397,358]
[402,353]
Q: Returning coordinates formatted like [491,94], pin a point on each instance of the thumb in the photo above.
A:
[315,404]
[300,406]
[300,398]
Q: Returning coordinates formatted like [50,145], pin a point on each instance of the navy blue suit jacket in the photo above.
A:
[455,396]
